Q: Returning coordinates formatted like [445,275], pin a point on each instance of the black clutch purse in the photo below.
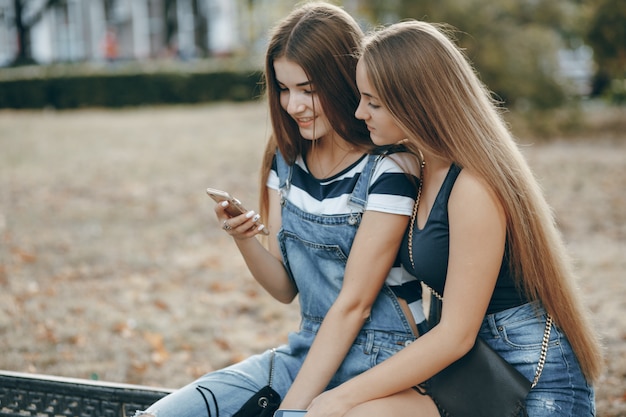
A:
[482,383]
[264,402]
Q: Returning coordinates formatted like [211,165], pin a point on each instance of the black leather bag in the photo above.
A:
[264,402]
[480,384]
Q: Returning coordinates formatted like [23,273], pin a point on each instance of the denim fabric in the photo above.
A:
[315,250]
[516,334]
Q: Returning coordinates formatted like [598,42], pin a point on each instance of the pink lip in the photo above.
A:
[305,123]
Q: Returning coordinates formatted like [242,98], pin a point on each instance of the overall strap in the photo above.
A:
[359,195]
[284,172]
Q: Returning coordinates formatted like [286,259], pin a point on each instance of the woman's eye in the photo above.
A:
[374,106]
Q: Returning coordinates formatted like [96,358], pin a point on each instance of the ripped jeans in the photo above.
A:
[562,390]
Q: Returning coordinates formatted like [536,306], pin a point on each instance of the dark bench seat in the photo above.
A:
[23,394]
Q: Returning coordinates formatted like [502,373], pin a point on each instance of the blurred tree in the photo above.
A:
[171,25]
[512,43]
[24,23]
[607,37]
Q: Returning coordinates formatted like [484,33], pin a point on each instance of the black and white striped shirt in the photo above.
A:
[391,191]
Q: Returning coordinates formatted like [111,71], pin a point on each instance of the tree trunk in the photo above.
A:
[24,56]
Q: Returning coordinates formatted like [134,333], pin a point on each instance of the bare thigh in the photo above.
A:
[408,403]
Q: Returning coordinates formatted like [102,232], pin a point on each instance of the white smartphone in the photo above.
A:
[235,208]
[289,413]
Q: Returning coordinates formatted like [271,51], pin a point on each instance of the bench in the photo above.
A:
[23,395]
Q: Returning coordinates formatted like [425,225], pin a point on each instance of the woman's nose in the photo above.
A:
[359,113]
[295,104]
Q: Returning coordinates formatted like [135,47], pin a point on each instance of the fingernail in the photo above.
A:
[224,203]
[257,217]
[261,227]
[250,214]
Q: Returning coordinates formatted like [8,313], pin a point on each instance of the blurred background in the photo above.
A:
[115,115]
[535,55]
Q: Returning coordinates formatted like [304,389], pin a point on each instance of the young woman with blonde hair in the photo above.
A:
[483,236]
[336,210]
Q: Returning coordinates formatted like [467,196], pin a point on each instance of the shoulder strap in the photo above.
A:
[359,195]
[283,171]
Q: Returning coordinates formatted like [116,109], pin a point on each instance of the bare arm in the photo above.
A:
[265,264]
[477,238]
[371,257]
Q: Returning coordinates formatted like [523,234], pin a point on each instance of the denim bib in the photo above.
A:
[315,249]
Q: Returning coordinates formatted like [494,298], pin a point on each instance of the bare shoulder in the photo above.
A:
[472,191]
[406,161]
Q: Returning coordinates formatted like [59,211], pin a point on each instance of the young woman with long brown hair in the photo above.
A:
[482,235]
[336,210]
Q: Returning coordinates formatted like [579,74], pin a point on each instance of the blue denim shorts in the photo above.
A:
[562,390]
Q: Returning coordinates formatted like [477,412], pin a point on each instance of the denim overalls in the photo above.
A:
[315,250]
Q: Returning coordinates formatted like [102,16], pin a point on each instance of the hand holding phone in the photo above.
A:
[234,208]
[289,413]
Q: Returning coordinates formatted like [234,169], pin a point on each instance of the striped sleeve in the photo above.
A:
[392,190]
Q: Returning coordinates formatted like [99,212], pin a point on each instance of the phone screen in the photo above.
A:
[289,413]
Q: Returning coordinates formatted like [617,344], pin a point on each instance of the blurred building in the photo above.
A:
[123,30]
[97,30]
[577,67]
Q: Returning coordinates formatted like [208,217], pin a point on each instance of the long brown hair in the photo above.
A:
[322,39]
[435,95]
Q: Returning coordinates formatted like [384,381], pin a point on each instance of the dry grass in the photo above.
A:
[112,264]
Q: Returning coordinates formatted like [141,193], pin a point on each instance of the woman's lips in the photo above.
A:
[305,121]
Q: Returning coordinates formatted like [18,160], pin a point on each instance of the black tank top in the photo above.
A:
[431,252]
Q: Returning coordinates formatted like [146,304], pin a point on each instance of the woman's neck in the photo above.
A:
[329,156]
[434,164]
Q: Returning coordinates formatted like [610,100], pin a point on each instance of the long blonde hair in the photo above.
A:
[434,94]
[323,39]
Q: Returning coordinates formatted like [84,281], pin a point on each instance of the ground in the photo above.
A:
[113,266]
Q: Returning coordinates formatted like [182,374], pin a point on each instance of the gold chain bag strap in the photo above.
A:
[481,383]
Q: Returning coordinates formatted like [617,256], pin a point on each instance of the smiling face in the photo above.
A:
[383,128]
[299,99]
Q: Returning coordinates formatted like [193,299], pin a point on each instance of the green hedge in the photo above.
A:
[40,88]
